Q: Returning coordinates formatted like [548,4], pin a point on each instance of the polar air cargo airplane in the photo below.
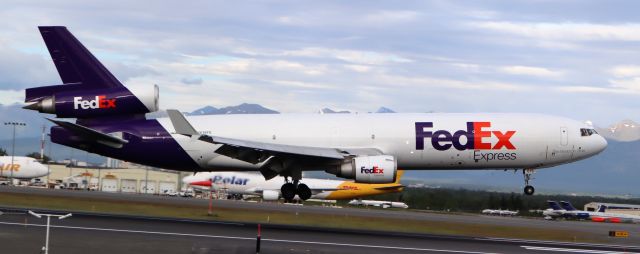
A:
[253,184]
[21,168]
[369,148]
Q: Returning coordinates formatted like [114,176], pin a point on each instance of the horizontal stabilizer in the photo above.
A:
[394,187]
[91,134]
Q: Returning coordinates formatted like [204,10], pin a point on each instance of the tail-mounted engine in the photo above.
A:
[74,101]
[368,169]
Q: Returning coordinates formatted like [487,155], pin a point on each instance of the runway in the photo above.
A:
[23,233]
[599,229]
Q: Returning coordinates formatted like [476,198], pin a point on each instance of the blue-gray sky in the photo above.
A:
[579,59]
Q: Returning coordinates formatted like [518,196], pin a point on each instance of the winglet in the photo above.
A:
[180,123]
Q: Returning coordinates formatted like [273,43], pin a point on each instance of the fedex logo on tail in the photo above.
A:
[100,101]
[476,135]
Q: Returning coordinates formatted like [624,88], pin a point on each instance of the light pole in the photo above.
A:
[39,215]
[13,145]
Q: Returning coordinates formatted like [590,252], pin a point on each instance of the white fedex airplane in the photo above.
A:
[22,168]
[370,148]
[243,183]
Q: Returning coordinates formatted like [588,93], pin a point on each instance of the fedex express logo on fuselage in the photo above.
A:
[100,101]
[477,137]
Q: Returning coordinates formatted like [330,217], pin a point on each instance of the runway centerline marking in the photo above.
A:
[540,248]
[248,238]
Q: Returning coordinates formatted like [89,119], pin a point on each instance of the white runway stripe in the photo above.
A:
[250,238]
[575,250]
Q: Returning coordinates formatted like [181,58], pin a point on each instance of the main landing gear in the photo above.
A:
[528,189]
[290,189]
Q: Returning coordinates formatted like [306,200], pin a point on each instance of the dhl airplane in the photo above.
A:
[369,148]
[243,183]
[22,168]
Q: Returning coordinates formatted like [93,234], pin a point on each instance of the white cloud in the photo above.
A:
[387,17]
[631,84]
[530,71]
[423,82]
[8,97]
[622,71]
[566,31]
[358,68]
[351,56]
[595,90]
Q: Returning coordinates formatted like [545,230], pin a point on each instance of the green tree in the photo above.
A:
[45,159]
[3,152]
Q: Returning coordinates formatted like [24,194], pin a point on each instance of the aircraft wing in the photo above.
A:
[256,152]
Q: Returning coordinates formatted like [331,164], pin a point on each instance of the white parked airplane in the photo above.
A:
[241,183]
[22,168]
[370,148]
[377,203]
[500,212]
[598,216]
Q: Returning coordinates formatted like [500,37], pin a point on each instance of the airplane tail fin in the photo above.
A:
[399,175]
[554,205]
[89,90]
[602,208]
[74,62]
[567,206]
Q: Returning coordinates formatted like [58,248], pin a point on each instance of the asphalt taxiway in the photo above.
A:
[90,233]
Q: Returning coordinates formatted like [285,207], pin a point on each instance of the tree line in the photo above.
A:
[463,200]
[34,155]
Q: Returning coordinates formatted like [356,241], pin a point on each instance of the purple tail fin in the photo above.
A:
[74,62]
[567,206]
[602,208]
[554,205]
[89,90]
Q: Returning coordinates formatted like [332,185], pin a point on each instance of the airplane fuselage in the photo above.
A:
[21,168]
[418,141]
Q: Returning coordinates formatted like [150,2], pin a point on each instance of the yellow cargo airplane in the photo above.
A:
[241,183]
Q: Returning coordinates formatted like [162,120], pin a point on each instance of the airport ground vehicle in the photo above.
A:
[369,148]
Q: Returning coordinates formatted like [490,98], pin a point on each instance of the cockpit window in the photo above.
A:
[587,132]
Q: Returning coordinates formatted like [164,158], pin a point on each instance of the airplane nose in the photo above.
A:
[44,170]
[601,144]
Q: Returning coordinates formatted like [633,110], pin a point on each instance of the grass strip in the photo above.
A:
[290,218]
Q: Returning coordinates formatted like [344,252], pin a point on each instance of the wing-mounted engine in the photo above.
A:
[72,101]
[270,195]
[368,169]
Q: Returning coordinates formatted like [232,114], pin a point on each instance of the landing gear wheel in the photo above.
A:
[529,190]
[288,191]
[304,192]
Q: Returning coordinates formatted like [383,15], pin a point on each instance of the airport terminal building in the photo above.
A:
[614,208]
[125,179]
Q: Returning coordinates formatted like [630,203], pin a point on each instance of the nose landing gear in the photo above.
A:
[528,189]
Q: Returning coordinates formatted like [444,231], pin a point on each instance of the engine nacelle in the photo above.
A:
[270,195]
[368,169]
[70,102]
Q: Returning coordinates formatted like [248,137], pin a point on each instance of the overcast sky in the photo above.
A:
[579,59]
